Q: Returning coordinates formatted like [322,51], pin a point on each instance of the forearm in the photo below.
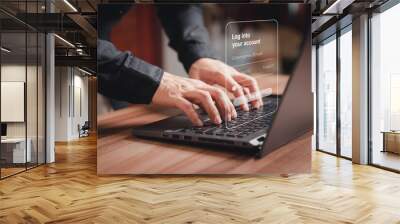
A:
[186,31]
[123,76]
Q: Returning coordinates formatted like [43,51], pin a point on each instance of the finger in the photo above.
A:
[187,107]
[232,86]
[204,98]
[252,84]
[223,102]
[246,92]
[251,97]
[256,91]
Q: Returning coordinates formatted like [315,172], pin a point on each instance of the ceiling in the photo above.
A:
[76,22]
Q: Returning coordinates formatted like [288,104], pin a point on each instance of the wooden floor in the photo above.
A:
[387,159]
[5,172]
[70,192]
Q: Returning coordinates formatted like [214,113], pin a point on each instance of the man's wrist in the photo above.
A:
[193,69]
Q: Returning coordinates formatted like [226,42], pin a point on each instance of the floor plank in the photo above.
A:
[69,191]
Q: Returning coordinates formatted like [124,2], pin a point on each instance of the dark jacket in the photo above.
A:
[123,76]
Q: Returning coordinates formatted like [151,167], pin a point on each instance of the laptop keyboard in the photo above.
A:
[246,123]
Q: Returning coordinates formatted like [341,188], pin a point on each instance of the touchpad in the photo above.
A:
[173,123]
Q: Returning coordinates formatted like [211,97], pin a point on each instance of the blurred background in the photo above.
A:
[137,29]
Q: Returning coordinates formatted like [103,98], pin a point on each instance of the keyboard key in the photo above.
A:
[246,123]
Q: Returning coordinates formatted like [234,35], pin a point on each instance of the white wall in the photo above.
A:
[71,103]
[15,72]
[12,73]
[34,125]
[80,103]
[62,81]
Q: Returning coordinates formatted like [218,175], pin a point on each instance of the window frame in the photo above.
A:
[333,37]
[32,30]
[380,9]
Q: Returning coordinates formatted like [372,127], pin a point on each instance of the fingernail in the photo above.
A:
[199,123]
[226,117]
[234,114]
[234,88]
[218,120]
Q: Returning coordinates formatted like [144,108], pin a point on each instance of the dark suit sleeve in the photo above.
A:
[187,34]
[125,77]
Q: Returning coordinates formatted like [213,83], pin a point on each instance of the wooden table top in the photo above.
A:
[119,152]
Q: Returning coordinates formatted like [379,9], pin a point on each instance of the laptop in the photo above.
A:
[257,132]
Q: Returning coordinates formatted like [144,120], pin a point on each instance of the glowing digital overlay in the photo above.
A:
[251,48]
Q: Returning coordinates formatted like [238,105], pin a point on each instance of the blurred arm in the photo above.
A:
[187,34]
[122,76]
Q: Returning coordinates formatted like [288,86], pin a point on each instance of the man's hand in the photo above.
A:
[184,93]
[212,71]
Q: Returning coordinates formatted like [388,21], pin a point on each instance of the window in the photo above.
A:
[22,75]
[385,89]
[334,94]
[326,90]
[346,93]
[13,147]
